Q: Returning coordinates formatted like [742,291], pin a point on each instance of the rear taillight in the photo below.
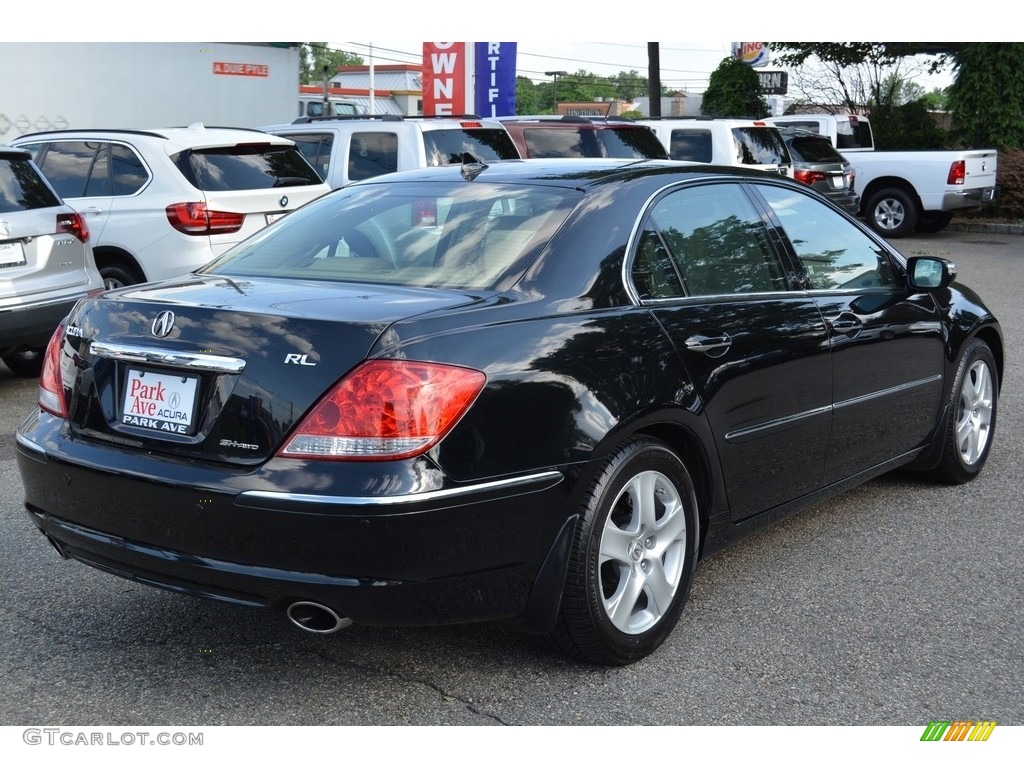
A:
[197,219]
[386,409]
[73,224]
[808,177]
[51,385]
[957,172]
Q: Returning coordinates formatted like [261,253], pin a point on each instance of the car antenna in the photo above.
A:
[471,166]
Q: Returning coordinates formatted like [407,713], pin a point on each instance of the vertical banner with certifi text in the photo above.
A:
[495,82]
[446,71]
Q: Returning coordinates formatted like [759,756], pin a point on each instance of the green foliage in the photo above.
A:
[852,54]
[734,90]
[314,56]
[906,126]
[987,96]
[527,97]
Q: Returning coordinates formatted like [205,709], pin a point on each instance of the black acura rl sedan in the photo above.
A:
[538,392]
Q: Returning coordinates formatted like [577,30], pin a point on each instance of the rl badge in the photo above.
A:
[158,401]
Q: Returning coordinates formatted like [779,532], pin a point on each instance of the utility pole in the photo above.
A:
[654,79]
[555,74]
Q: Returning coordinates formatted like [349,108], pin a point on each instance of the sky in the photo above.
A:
[684,66]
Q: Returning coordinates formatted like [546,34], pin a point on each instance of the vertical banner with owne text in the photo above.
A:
[495,79]
[445,72]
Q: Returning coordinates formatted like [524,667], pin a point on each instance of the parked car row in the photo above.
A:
[154,204]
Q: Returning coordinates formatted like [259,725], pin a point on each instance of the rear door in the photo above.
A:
[80,172]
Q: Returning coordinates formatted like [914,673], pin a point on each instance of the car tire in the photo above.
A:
[891,213]
[633,558]
[26,363]
[934,222]
[971,423]
[116,276]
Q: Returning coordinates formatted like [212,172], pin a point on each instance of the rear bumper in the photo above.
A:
[453,555]
[969,198]
[32,326]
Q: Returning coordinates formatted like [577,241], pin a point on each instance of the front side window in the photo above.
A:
[705,241]
[835,254]
[69,167]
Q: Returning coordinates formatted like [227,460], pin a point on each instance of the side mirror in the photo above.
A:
[928,273]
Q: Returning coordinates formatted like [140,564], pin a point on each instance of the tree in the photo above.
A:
[527,97]
[987,95]
[313,57]
[734,90]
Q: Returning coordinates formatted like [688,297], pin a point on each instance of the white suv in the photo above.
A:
[724,141]
[345,149]
[46,264]
[162,202]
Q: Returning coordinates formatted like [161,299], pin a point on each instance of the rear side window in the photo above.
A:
[315,147]
[760,146]
[21,187]
[447,147]
[853,135]
[245,166]
[372,154]
[691,145]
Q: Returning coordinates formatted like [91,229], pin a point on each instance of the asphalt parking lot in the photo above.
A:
[897,603]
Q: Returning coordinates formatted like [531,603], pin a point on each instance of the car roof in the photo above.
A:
[174,140]
[576,172]
[570,121]
[422,122]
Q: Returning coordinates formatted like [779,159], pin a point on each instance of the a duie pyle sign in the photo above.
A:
[159,401]
[240,70]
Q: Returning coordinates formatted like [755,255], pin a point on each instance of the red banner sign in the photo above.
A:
[444,78]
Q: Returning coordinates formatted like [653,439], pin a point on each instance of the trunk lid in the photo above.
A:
[220,369]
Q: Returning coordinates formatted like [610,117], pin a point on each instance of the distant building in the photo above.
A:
[397,88]
[679,104]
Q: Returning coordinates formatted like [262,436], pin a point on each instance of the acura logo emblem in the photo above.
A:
[163,324]
[5,228]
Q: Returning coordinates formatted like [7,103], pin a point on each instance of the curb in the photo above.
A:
[991,228]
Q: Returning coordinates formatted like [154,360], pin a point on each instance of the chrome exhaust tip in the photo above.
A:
[57,546]
[316,618]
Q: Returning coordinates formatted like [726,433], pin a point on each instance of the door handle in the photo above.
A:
[713,346]
[92,210]
[844,323]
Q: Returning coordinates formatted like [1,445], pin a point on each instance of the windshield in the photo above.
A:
[451,235]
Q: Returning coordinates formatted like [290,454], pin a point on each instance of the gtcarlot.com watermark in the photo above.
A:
[70,737]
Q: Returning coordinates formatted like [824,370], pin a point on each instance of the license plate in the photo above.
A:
[272,217]
[159,401]
[838,182]
[12,254]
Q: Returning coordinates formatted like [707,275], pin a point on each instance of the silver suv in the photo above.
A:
[46,263]
[162,202]
[345,149]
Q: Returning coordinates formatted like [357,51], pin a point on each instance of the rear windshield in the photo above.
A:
[446,147]
[451,235]
[619,142]
[245,166]
[814,149]
[21,187]
[760,146]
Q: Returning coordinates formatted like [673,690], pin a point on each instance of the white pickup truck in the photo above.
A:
[904,191]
